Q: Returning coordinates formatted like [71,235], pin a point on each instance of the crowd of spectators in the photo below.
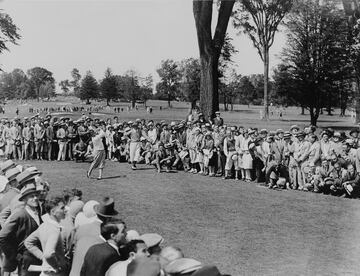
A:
[321,161]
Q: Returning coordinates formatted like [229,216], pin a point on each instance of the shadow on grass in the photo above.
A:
[110,177]
[143,169]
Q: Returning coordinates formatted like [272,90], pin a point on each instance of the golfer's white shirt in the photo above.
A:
[97,141]
[118,268]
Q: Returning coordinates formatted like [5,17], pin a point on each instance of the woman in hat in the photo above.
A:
[247,161]
[210,156]
[98,152]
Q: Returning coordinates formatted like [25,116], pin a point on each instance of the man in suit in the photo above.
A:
[17,228]
[101,256]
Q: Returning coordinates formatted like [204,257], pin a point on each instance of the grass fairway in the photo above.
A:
[242,228]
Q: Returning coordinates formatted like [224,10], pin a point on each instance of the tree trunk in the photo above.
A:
[357,101]
[169,101]
[87,101]
[193,104]
[314,115]
[108,102]
[209,93]
[225,104]
[266,82]
[133,102]
[210,50]
[302,110]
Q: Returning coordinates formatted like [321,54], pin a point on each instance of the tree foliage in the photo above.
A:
[190,80]
[39,76]
[8,31]
[75,82]
[314,61]
[65,86]
[89,88]
[108,87]
[169,85]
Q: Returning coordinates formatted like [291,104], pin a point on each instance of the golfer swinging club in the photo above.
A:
[99,150]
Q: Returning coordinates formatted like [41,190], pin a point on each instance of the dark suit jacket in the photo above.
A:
[18,227]
[98,259]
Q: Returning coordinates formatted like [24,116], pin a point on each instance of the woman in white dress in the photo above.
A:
[247,161]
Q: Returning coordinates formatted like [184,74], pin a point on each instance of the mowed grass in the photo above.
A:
[242,228]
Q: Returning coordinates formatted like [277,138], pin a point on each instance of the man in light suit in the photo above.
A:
[101,256]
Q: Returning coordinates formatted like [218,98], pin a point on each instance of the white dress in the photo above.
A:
[247,161]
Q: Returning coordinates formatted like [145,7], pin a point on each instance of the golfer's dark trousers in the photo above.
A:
[221,160]
[258,166]
[280,170]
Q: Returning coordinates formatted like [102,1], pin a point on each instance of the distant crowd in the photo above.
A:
[62,235]
[306,159]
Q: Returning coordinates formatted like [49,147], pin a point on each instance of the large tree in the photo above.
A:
[89,88]
[210,49]
[108,87]
[190,80]
[260,20]
[129,87]
[314,60]
[39,76]
[169,85]
[10,83]
[65,86]
[8,30]
[75,82]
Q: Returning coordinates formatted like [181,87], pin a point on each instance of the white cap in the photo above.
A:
[3,182]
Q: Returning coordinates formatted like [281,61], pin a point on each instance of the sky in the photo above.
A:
[60,35]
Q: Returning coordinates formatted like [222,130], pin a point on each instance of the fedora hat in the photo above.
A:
[28,190]
[3,182]
[106,208]
[8,164]
[27,175]
[12,173]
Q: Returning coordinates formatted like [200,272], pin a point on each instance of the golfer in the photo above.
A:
[98,150]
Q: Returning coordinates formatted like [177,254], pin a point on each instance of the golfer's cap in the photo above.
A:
[3,182]
[152,239]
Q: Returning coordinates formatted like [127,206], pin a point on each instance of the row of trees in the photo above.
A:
[130,86]
[37,83]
